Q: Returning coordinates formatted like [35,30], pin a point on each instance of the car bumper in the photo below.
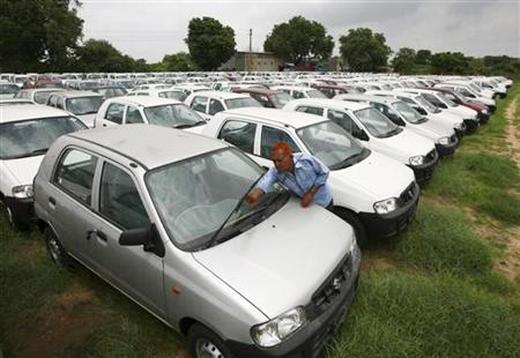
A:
[424,173]
[392,224]
[21,209]
[471,126]
[483,117]
[308,341]
[447,149]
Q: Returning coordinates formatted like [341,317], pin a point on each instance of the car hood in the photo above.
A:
[371,175]
[197,129]
[278,264]
[404,145]
[88,119]
[24,169]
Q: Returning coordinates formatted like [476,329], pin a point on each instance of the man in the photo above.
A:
[303,174]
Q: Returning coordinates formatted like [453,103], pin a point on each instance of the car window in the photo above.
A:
[215,106]
[240,134]
[272,135]
[133,116]
[119,200]
[75,174]
[311,110]
[298,94]
[199,103]
[343,120]
[115,113]
[60,103]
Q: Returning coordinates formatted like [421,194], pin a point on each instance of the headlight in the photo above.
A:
[417,160]
[279,329]
[444,141]
[458,126]
[385,206]
[23,191]
[485,111]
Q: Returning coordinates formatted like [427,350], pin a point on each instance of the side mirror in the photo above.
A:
[443,106]
[421,111]
[146,236]
[360,134]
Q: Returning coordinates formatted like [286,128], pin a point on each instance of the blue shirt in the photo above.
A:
[308,171]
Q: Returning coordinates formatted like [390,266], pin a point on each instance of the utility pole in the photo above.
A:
[250,40]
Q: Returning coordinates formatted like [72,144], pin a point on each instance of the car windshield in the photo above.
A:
[173,115]
[200,197]
[474,87]
[409,113]
[280,99]
[376,123]
[315,94]
[8,89]
[177,95]
[83,105]
[241,102]
[33,137]
[332,144]
[42,96]
[429,107]
[448,101]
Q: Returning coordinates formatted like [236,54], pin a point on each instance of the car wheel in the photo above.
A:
[353,220]
[56,250]
[206,344]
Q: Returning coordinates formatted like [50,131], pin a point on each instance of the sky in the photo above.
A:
[150,29]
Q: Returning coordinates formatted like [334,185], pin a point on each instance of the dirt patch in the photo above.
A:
[377,259]
[512,135]
[509,265]
[66,326]
[30,249]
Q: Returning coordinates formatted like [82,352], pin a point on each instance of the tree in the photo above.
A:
[364,50]
[299,40]
[449,63]
[180,61]
[210,43]
[404,61]
[101,56]
[38,35]
[424,57]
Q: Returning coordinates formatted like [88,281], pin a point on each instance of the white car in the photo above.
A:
[427,109]
[170,93]
[376,132]
[37,95]
[209,103]
[403,115]
[83,104]
[297,92]
[8,90]
[26,132]
[469,116]
[361,191]
[150,110]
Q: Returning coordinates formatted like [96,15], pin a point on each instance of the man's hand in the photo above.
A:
[307,198]
[253,196]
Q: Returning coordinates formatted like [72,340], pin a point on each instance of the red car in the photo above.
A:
[482,109]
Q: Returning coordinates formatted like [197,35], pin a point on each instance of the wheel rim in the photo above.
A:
[207,349]
[54,249]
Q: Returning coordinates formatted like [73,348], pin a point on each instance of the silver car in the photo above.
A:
[160,214]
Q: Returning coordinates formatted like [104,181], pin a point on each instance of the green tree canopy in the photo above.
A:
[101,56]
[210,43]
[449,63]
[404,61]
[364,50]
[299,40]
[424,57]
[180,61]
[38,35]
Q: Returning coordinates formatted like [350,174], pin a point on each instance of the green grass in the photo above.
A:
[409,315]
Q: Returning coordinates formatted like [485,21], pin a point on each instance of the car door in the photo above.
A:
[120,207]
[240,133]
[349,124]
[132,115]
[70,202]
[268,137]
[113,116]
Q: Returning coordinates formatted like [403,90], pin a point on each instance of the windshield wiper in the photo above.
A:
[29,154]
[239,204]
[183,126]
[348,161]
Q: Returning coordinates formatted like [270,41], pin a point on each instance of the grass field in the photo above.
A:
[448,287]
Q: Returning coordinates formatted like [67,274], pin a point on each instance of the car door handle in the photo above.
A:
[101,235]
[104,125]
[52,202]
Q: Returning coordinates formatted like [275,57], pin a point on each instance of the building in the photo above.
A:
[253,61]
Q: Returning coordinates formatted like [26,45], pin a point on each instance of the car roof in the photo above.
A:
[149,145]
[29,111]
[75,94]
[287,118]
[365,97]
[331,103]
[144,101]
[256,90]
[220,94]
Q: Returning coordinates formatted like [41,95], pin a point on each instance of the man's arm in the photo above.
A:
[264,185]
[322,174]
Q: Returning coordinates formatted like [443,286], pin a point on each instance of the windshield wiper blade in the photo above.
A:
[239,204]
[39,151]
[183,126]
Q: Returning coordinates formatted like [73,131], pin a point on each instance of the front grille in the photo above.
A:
[333,285]
[407,195]
[431,156]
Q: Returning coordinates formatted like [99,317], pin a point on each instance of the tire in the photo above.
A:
[353,220]
[206,344]
[55,249]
